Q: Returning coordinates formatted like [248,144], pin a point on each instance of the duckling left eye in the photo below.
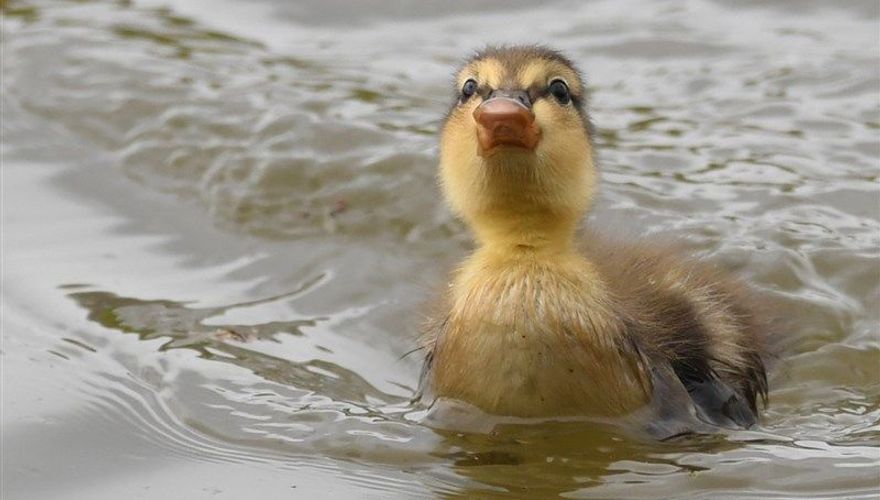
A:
[560,91]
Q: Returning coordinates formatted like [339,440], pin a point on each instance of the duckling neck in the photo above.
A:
[525,234]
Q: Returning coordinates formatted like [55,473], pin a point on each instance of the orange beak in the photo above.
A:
[502,121]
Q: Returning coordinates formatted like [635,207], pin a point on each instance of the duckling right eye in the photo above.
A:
[468,89]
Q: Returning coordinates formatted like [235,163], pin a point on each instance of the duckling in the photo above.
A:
[538,322]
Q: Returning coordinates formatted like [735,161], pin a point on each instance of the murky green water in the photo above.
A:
[173,173]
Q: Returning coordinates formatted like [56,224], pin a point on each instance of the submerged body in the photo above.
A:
[535,324]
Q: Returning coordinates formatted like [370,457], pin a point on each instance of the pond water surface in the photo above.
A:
[174,172]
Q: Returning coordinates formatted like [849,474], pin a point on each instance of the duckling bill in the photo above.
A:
[541,321]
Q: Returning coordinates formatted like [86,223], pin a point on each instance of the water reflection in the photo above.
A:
[186,328]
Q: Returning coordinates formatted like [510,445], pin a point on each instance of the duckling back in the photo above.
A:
[695,319]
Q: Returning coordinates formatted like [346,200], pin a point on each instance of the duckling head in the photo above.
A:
[516,156]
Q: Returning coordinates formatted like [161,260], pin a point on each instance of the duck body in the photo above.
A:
[540,323]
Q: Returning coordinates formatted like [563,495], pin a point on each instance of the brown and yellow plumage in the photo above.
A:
[538,324]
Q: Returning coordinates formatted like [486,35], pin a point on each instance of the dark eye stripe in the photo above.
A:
[541,91]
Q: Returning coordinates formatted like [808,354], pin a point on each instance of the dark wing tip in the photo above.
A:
[717,403]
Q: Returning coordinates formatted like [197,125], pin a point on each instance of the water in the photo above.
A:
[175,173]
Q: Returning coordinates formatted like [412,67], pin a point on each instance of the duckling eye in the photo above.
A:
[468,89]
[559,89]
